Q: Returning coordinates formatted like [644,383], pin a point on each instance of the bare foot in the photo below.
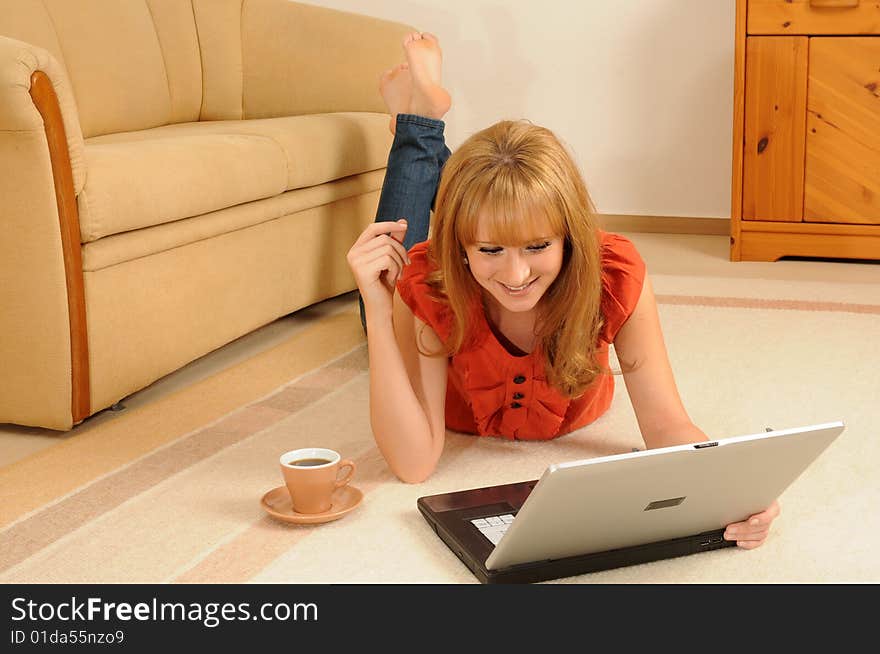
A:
[395,85]
[424,57]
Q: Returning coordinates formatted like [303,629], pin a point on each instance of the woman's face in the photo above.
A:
[516,276]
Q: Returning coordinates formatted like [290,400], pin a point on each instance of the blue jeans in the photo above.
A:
[414,164]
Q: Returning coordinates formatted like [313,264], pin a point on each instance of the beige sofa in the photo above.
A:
[173,175]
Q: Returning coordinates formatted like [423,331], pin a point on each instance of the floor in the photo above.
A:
[665,254]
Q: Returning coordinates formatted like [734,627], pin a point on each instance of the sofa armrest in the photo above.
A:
[40,353]
[20,60]
[300,59]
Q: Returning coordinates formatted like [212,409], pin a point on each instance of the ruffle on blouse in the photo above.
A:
[417,293]
[623,275]
[544,416]
[489,397]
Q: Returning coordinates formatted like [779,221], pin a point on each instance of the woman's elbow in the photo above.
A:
[414,474]
[413,469]
[411,464]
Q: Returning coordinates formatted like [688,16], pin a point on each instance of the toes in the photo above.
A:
[391,73]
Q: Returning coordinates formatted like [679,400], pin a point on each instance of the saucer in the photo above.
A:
[277,504]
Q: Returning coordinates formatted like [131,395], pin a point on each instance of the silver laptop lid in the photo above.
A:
[606,503]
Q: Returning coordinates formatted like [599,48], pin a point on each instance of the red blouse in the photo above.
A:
[491,392]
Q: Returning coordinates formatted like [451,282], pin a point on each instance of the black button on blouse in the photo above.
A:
[519,379]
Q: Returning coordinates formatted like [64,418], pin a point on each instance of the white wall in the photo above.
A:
[640,90]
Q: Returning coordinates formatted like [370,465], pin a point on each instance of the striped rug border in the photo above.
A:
[773,304]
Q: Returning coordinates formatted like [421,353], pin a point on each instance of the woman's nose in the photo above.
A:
[518,270]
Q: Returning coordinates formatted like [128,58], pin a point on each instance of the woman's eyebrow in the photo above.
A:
[531,240]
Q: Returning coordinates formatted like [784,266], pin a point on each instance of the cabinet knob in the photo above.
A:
[840,4]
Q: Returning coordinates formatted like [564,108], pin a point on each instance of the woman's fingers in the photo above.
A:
[379,242]
[396,229]
[373,263]
[385,267]
[377,259]
[749,544]
[752,532]
[381,246]
[376,239]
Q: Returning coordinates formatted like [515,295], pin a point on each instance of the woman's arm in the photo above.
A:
[647,373]
[407,392]
[662,418]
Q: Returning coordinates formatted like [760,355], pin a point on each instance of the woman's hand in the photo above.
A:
[752,532]
[376,259]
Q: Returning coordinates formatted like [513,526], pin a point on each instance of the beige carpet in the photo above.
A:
[170,492]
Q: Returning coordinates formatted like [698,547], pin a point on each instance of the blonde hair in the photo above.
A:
[514,174]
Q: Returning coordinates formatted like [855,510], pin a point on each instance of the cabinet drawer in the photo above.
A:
[813,17]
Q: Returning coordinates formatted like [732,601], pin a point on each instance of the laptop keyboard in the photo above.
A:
[493,526]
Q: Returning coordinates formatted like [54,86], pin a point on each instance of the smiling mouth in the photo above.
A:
[517,290]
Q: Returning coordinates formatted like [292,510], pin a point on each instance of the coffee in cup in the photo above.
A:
[309,463]
[311,474]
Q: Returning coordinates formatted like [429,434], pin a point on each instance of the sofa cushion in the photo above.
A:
[128,246]
[156,176]
[116,63]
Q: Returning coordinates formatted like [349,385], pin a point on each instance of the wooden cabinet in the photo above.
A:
[806,133]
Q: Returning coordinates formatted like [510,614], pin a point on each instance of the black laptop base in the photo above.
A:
[573,565]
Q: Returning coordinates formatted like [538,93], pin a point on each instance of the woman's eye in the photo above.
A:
[491,250]
[538,247]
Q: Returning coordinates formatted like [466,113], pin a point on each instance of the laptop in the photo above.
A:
[624,509]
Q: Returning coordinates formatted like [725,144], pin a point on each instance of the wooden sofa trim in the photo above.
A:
[46,102]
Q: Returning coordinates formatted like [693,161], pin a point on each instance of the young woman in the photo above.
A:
[501,322]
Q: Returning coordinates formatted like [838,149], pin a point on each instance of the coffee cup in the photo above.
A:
[311,474]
